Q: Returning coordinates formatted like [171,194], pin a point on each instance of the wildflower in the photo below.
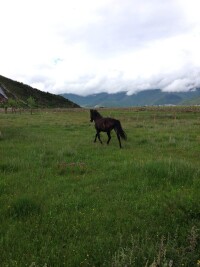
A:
[198,263]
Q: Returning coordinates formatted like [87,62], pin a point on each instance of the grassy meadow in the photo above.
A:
[66,201]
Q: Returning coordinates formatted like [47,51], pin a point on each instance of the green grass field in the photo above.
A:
[66,201]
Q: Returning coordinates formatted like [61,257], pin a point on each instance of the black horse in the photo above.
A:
[106,125]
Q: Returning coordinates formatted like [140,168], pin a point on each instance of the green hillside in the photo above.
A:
[192,101]
[21,92]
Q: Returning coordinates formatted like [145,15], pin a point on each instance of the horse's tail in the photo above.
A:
[120,131]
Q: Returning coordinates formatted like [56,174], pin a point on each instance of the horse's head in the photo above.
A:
[91,115]
[94,114]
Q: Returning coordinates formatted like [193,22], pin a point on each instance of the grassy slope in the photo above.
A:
[22,92]
[66,201]
[192,101]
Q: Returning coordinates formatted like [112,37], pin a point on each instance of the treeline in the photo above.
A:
[19,105]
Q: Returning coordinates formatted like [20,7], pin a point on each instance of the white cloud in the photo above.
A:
[104,45]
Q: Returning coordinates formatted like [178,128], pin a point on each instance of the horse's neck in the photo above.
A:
[97,117]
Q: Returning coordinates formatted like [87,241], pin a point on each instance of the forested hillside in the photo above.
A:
[21,92]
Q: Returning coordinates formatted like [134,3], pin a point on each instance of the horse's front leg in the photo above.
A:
[95,139]
[97,135]
[109,137]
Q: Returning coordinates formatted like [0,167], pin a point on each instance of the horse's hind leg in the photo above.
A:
[109,137]
[118,137]
[119,140]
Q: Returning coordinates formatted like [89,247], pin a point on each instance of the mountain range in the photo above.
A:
[142,98]
[10,89]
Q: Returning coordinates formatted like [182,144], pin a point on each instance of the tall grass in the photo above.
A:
[66,201]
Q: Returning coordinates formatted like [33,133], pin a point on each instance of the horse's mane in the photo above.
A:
[96,113]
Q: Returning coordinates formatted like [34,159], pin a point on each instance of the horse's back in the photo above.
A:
[105,124]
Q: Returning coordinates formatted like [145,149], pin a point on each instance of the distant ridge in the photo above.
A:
[142,98]
[21,92]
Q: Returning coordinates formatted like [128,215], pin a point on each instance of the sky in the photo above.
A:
[87,47]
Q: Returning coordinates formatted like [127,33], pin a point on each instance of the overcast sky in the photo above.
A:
[91,46]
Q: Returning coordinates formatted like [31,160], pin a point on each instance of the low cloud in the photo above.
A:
[87,47]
